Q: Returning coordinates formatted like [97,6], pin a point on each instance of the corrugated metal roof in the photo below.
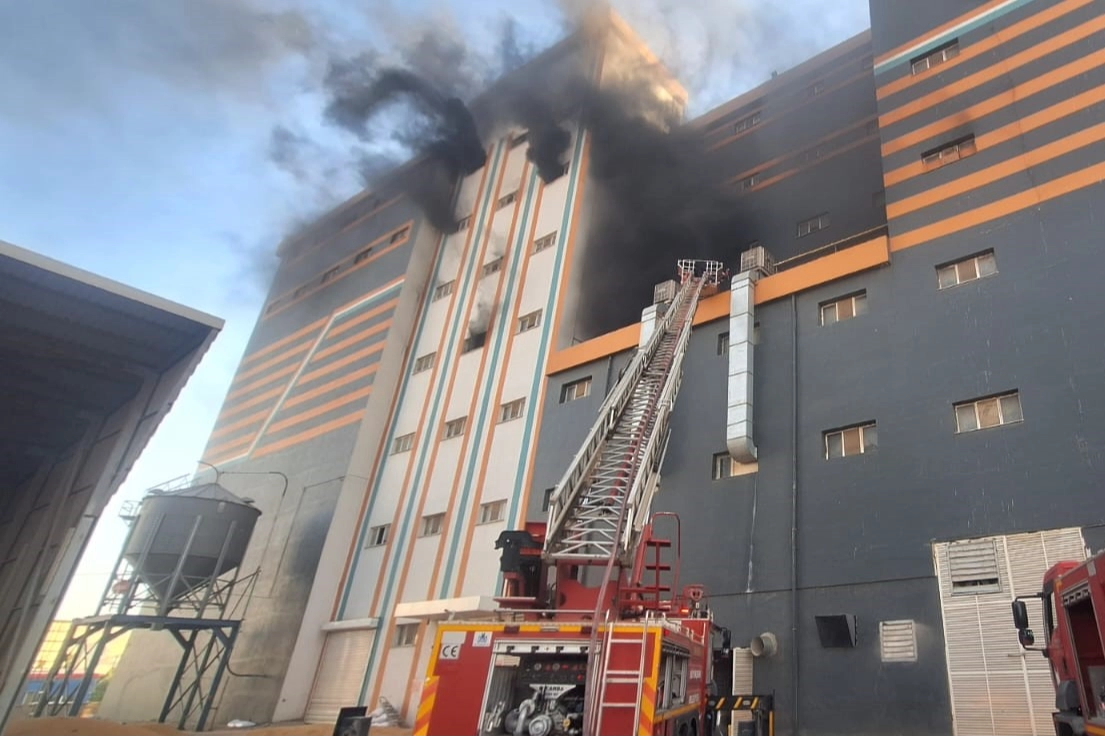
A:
[74,345]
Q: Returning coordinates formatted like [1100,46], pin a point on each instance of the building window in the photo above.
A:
[441,291]
[948,153]
[403,443]
[329,274]
[850,441]
[529,321]
[492,512]
[898,641]
[746,122]
[574,390]
[507,199]
[432,524]
[565,169]
[360,257]
[546,498]
[816,88]
[474,341]
[750,181]
[512,410]
[493,267]
[973,567]
[813,154]
[814,224]
[965,270]
[464,222]
[406,635]
[455,428]
[377,535]
[398,235]
[872,127]
[545,241]
[979,414]
[424,363]
[844,308]
[519,139]
[936,57]
[723,344]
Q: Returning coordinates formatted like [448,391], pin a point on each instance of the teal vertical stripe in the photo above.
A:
[504,326]
[466,285]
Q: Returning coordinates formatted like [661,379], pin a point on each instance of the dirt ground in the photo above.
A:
[92,726]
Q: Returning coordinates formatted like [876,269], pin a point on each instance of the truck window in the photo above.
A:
[1088,650]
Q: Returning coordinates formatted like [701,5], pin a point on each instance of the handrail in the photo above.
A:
[609,413]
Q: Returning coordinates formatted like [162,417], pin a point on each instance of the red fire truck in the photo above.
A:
[1073,600]
[594,634]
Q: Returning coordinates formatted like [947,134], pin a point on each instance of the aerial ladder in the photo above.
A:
[612,645]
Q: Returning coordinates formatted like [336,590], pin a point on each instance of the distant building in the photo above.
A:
[925,365]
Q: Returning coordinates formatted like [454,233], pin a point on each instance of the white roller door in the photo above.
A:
[341,672]
[996,686]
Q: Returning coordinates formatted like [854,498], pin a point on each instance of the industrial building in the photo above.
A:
[921,345]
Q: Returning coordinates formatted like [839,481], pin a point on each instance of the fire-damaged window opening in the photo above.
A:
[455,428]
[850,441]
[980,414]
[403,443]
[329,274]
[545,241]
[399,235]
[377,536]
[493,267]
[519,139]
[507,199]
[474,341]
[723,344]
[441,291]
[936,57]
[546,498]
[406,635]
[973,567]
[844,308]
[512,410]
[462,223]
[966,269]
[574,390]
[565,169]
[492,512]
[432,524]
[812,225]
[948,153]
[424,363]
[529,321]
[362,255]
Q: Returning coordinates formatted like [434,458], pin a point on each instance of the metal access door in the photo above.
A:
[996,686]
[341,672]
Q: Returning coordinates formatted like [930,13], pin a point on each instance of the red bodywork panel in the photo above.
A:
[1075,647]
[473,663]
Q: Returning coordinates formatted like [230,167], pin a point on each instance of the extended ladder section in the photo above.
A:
[602,503]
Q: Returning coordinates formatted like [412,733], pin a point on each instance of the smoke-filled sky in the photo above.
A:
[169,144]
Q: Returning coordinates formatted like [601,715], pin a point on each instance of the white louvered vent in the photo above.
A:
[898,641]
[974,567]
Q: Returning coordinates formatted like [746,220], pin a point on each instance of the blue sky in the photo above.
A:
[134,141]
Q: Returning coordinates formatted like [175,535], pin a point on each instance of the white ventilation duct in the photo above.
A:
[742,320]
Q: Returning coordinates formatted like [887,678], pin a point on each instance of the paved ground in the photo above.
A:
[73,725]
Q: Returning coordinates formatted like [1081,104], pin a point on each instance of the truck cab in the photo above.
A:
[1073,600]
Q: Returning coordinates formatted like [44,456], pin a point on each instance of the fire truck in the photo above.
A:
[1073,599]
[594,633]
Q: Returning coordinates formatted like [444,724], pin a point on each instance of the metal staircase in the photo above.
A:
[602,503]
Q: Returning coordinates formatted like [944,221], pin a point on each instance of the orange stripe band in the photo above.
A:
[314,432]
